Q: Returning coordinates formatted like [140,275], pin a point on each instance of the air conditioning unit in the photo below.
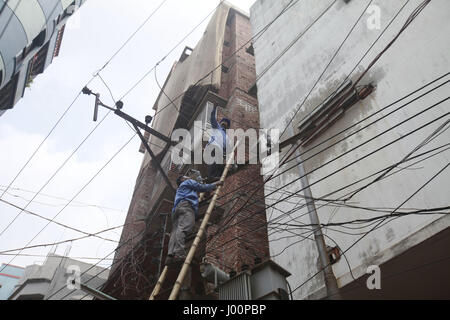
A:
[266,281]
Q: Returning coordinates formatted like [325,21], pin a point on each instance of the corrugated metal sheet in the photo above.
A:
[238,288]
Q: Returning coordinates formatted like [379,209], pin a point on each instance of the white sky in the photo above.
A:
[97,30]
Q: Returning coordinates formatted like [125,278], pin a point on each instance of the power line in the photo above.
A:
[393,212]
[53,175]
[109,161]
[134,34]
[287,7]
[342,168]
[289,153]
[171,50]
[44,256]
[52,221]
[417,211]
[382,170]
[356,182]
[115,262]
[80,204]
[354,126]
[54,243]
[266,224]
[67,110]
[216,67]
[409,20]
[395,165]
[351,150]
[298,37]
[382,217]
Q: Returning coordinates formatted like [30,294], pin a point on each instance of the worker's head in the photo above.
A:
[195,175]
[225,123]
[181,179]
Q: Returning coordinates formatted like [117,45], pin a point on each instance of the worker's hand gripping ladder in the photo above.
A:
[200,233]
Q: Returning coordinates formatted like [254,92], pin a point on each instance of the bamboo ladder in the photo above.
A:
[201,230]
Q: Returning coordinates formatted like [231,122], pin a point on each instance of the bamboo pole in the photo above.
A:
[158,286]
[190,256]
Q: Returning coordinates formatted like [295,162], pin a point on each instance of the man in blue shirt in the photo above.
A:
[184,212]
[220,139]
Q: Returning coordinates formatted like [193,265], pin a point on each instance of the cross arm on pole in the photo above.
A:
[137,126]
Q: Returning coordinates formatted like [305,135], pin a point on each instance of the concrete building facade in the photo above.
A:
[9,277]
[210,74]
[30,37]
[307,55]
[50,280]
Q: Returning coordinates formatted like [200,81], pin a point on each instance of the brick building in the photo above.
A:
[187,96]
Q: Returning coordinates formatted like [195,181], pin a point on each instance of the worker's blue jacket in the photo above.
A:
[219,134]
[187,191]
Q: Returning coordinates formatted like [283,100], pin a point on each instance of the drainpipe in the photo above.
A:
[325,264]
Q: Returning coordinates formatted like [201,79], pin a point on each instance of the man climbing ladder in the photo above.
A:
[221,143]
[193,248]
[184,212]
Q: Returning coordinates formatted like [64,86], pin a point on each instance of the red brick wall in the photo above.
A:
[234,241]
[134,226]
[239,244]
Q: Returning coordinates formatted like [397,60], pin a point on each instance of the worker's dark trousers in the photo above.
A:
[215,170]
[183,222]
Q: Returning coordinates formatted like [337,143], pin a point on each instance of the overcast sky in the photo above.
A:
[97,30]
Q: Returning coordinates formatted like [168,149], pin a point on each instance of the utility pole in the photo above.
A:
[325,264]
[137,126]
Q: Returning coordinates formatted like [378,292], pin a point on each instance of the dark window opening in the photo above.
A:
[253,91]
[69,11]
[225,69]
[250,50]
[38,61]
[37,42]
[186,53]
[8,93]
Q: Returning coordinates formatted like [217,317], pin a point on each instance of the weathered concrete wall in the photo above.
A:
[206,56]
[419,56]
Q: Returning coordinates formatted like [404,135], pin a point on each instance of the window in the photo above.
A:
[225,69]
[8,92]
[186,53]
[207,115]
[250,50]
[37,42]
[69,10]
